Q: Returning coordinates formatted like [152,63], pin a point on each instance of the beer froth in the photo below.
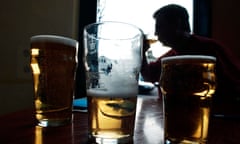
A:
[188,58]
[54,39]
[122,92]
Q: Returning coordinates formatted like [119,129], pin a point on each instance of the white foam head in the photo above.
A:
[116,89]
[55,39]
[188,58]
[125,93]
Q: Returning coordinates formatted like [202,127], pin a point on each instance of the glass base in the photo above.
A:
[185,141]
[54,123]
[100,140]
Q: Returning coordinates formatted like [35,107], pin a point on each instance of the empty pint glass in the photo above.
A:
[187,84]
[113,60]
[53,63]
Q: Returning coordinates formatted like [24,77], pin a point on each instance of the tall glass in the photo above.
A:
[187,83]
[53,63]
[113,61]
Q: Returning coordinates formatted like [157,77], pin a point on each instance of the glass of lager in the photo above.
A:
[53,62]
[113,61]
[187,83]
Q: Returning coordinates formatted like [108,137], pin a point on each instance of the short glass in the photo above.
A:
[113,61]
[187,84]
[53,64]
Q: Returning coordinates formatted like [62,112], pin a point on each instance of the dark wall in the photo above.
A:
[226,23]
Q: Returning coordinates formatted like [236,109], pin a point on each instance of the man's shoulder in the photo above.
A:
[202,39]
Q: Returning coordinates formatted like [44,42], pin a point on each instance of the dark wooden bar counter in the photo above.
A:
[20,127]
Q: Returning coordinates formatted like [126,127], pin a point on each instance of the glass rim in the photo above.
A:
[139,32]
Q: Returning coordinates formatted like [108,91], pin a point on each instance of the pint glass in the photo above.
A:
[187,84]
[53,63]
[113,60]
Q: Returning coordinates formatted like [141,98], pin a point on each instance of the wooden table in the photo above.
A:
[20,127]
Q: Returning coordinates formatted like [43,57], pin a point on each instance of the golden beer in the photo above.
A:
[111,117]
[151,41]
[187,84]
[53,63]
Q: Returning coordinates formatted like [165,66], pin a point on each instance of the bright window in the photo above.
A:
[139,13]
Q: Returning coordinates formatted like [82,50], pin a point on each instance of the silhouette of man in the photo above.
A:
[173,30]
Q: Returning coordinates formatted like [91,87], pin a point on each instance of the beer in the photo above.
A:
[53,63]
[112,63]
[151,41]
[187,84]
[111,107]
[111,117]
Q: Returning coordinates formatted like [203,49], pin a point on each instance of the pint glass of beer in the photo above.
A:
[187,84]
[53,63]
[112,60]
